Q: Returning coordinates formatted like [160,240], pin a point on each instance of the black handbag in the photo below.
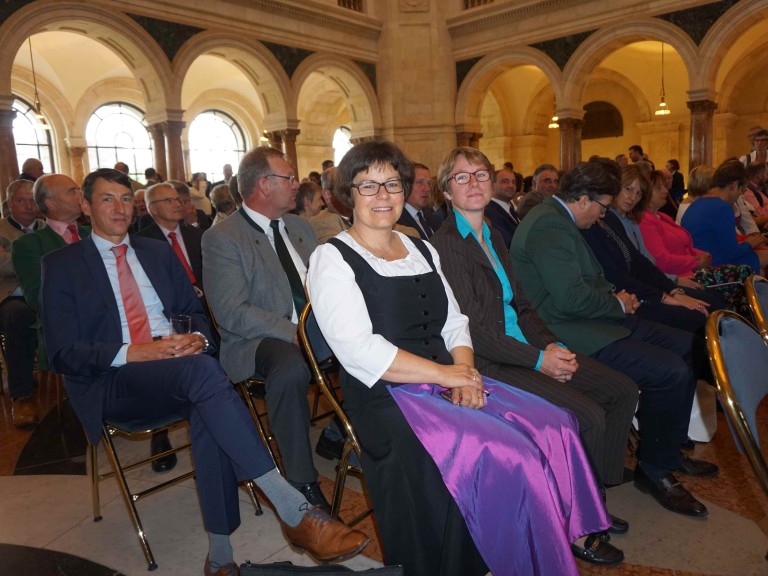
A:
[287,568]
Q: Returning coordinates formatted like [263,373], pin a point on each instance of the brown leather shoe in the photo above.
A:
[324,538]
[230,569]
[23,412]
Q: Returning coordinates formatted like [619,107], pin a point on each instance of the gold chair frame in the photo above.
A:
[118,470]
[352,443]
[730,403]
[761,322]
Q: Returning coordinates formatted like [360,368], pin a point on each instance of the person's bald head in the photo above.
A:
[58,197]
[32,167]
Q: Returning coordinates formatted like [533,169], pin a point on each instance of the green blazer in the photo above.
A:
[26,254]
[564,281]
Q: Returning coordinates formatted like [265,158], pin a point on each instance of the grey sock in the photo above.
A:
[219,550]
[289,502]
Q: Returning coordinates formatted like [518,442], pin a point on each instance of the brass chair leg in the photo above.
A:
[95,496]
[123,484]
[251,489]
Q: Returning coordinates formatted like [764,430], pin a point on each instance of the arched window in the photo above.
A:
[341,143]
[33,138]
[215,139]
[601,120]
[117,132]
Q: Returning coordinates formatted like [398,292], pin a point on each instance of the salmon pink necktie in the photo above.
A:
[135,312]
[180,253]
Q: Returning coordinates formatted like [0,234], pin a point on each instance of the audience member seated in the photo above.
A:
[511,343]
[417,212]
[31,170]
[443,502]
[123,167]
[192,216]
[630,202]
[760,148]
[710,221]
[755,195]
[334,218]
[567,287]
[106,304]
[17,319]
[500,211]
[222,203]
[672,248]
[255,267]
[198,190]
[699,183]
[164,205]
[309,200]
[543,185]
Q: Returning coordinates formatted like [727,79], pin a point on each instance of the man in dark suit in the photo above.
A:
[164,205]
[566,285]
[500,211]
[255,266]
[417,211]
[106,305]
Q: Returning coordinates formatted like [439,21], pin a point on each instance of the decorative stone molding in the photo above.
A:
[414,5]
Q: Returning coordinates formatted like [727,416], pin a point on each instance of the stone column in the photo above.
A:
[77,150]
[471,139]
[702,112]
[175,153]
[275,139]
[9,163]
[570,142]
[158,147]
[289,141]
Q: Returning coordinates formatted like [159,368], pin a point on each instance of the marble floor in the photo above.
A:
[46,525]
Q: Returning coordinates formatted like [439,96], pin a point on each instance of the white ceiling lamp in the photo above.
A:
[662,110]
[553,124]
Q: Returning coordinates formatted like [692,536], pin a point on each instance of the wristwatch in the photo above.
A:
[205,340]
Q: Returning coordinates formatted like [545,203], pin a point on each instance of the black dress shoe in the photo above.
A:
[688,444]
[618,525]
[315,497]
[329,449]
[598,550]
[160,443]
[700,468]
[670,493]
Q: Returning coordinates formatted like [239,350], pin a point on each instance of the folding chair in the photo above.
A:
[138,429]
[757,298]
[739,358]
[320,359]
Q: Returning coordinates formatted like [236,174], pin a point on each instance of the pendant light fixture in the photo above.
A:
[553,122]
[662,110]
[37,106]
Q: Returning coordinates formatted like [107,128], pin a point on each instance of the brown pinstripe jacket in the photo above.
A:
[479,294]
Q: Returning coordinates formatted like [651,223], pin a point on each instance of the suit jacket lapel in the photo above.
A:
[471,246]
[95,265]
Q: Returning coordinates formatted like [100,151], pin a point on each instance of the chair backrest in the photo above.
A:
[739,358]
[757,297]
[318,353]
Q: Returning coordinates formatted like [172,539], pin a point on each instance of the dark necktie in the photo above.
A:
[513,213]
[424,224]
[133,304]
[73,231]
[176,247]
[297,288]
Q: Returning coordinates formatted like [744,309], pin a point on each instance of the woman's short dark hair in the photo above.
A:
[628,175]
[364,156]
[590,179]
[731,170]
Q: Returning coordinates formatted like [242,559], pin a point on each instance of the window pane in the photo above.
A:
[32,140]
[215,139]
[116,133]
[341,143]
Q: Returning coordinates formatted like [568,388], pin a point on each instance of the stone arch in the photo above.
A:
[359,94]
[473,89]
[720,38]
[103,92]
[115,31]
[231,103]
[604,42]
[254,60]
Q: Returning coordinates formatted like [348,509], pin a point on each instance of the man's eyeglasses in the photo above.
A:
[603,207]
[167,201]
[371,188]
[291,179]
[463,178]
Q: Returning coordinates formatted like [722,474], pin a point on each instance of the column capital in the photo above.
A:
[173,127]
[289,134]
[570,122]
[702,106]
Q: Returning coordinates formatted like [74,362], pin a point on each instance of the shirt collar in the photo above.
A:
[259,218]
[103,245]
[465,229]
[570,213]
[411,210]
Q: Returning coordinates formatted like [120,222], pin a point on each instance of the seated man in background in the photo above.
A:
[566,285]
[543,185]
[105,301]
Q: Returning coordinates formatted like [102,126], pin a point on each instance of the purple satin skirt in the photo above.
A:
[517,472]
